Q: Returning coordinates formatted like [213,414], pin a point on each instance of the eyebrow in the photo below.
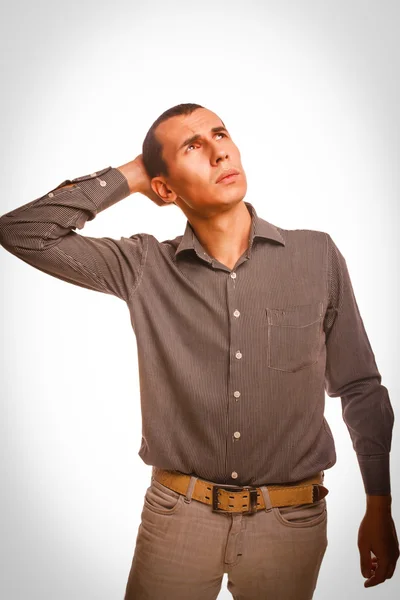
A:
[195,137]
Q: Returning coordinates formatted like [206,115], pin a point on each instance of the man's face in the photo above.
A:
[194,166]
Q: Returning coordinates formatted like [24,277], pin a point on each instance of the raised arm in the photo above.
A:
[42,232]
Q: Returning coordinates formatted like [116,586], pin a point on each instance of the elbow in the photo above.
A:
[5,233]
[8,233]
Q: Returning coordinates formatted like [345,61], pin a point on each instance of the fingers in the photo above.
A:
[380,574]
[366,562]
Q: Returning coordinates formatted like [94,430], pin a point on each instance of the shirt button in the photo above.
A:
[51,194]
[236,313]
[238,354]
[237,434]
[236,394]
[234,474]
[103,183]
[93,175]
[233,275]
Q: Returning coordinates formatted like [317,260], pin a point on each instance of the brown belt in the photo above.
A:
[243,499]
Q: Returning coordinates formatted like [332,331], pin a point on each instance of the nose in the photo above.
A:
[220,154]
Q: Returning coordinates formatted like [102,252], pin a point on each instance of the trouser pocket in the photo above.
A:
[161,499]
[302,515]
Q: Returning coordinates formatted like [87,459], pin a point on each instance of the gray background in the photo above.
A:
[310,93]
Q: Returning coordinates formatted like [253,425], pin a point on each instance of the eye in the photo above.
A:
[219,133]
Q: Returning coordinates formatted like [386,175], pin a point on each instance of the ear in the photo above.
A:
[161,189]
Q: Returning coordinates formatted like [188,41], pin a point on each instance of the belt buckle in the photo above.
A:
[253,498]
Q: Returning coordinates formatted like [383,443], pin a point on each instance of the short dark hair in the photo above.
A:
[152,148]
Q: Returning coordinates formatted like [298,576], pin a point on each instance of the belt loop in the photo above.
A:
[267,499]
[189,491]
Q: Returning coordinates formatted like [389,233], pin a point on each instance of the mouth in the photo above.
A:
[227,176]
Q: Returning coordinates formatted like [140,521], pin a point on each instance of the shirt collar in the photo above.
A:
[259,228]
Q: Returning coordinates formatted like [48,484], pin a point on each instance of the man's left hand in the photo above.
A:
[377,534]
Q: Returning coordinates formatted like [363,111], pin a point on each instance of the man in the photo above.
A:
[241,327]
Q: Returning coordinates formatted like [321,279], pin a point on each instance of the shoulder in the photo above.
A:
[304,237]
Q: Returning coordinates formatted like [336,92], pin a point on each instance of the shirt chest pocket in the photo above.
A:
[294,336]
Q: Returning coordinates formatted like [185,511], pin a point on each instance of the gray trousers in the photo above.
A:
[183,549]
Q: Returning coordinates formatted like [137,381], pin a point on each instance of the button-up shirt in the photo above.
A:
[234,363]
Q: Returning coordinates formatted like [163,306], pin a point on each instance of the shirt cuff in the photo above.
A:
[104,188]
[375,472]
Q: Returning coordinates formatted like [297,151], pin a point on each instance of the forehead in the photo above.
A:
[175,130]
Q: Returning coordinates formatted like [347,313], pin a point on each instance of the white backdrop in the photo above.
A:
[309,91]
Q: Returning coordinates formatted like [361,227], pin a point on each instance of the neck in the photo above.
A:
[224,236]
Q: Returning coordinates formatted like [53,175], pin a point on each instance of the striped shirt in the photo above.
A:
[233,363]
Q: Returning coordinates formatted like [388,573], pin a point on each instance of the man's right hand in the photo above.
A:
[139,181]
